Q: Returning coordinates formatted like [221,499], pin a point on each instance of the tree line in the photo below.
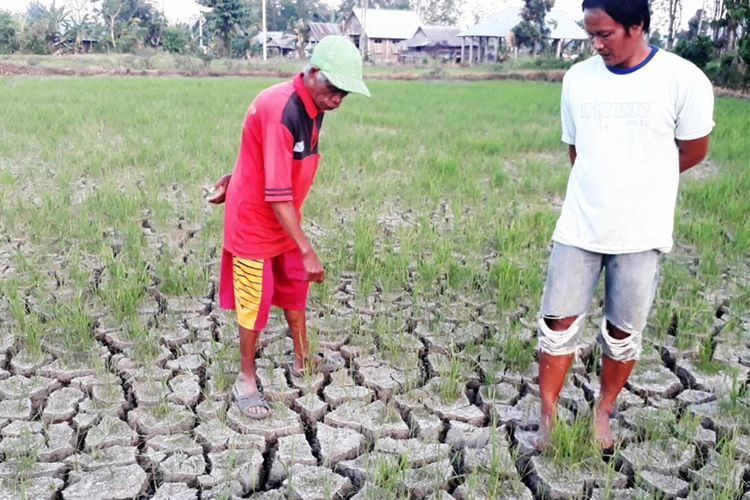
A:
[227,28]
[717,38]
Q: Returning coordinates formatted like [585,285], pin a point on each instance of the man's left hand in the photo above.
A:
[220,189]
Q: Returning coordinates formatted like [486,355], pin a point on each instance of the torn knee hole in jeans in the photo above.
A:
[621,349]
[616,332]
[559,341]
[570,320]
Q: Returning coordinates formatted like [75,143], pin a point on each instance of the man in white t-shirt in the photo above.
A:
[633,117]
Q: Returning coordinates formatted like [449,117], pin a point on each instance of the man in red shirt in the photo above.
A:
[267,258]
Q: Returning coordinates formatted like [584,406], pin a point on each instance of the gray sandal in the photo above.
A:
[250,402]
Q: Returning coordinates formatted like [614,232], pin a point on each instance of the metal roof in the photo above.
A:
[389,23]
[502,24]
[278,39]
[433,36]
[318,31]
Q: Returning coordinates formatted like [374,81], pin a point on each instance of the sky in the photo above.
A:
[185,10]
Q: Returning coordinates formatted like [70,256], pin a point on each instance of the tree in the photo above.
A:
[176,39]
[112,11]
[226,18]
[532,31]
[42,32]
[440,12]
[696,24]
[731,34]
[131,22]
[671,10]
[743,51]
[347,6]
[48,20]
[8,33]
[80,24]
[655,39]
[284,15]
[737,20]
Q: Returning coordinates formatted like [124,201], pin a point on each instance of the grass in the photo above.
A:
[147,62]
[436,190]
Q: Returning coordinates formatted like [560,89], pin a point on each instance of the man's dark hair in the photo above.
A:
[626,12]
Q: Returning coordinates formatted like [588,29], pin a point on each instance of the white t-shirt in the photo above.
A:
[623,187]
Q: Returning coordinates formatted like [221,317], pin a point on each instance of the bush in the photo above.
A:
[175,40]
[699,50]
[31,43]
[548,62]
[553,63]
[729,72]
[188,64]
[239,46]
[131,40]
[8,34]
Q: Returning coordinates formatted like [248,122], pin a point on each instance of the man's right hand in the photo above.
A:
[220,189]
[313,268]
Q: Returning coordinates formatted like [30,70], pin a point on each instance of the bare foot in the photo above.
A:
[602,430]
[546,424]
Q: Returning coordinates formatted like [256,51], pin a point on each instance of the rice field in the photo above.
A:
[432,213]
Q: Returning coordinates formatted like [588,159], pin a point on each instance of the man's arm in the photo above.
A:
[284,212]
[692,152]
[572,154]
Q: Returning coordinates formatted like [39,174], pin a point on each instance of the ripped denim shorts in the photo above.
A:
[629,286]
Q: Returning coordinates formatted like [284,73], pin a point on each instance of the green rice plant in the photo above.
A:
[162,408]
[313,342]
[125,290]
[571,444]
[452,384]
[390,414]
[499,471]
[389,473]
[31,330]
[726,485]
[687,427]
[328,488]
[75,325]
[364,256]
[660,424]
[25,464]
[12,295]
[510,351]
[707,364]
[608,475]
[517,354]
[736,401]
[146,347]
[225,362]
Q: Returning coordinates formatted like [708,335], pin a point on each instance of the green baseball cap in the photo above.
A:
[339,61]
